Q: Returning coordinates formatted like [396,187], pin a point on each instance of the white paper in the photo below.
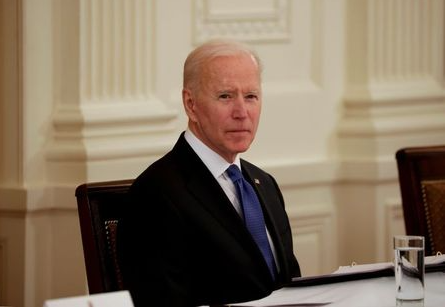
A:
[439,258]
[109,299]
[357,268]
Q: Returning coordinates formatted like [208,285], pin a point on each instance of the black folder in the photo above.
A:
[342,277]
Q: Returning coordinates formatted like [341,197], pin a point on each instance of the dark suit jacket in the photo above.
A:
[184,244]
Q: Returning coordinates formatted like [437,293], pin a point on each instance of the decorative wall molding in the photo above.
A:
[395,41]
[397,53]
[393,224]
[263,20]
[370,170]
[410,91]
[392,126]
[105,106]
[110,130]
[394,95]
[314,240]
[13,200]
[405,39]
[3,276]
[393,108]
[11,98]
[24,201]
[116,49]
[101,120]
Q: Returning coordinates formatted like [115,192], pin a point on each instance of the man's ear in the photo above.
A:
[189,104]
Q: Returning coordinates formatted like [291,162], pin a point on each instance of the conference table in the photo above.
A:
[367,285]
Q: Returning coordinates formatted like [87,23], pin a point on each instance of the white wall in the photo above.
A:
[90,91]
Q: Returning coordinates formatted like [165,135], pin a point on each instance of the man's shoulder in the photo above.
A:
[176,165]
[158,168]
[169,161]
[252,168]
[257,174]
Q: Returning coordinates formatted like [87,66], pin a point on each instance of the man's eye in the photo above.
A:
[252,97]
[224,96]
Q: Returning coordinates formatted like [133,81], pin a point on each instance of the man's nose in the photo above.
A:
[240,107]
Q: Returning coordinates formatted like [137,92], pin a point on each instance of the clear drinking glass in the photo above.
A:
[409,268]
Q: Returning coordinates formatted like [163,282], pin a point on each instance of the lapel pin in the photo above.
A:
[257,181]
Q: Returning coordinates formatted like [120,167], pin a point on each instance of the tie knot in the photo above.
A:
[234,173]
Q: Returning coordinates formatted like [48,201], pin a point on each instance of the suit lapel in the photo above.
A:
[214,200]
[210,196]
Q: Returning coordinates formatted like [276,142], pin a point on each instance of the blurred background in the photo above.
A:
[90,90]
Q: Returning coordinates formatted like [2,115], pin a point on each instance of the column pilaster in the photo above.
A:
[105,106]
[394,92]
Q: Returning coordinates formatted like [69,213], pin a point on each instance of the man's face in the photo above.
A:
[224,112]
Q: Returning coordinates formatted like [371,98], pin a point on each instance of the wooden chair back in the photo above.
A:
[100,207]
[422,185]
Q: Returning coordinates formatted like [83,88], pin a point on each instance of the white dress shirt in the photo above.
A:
[218,166]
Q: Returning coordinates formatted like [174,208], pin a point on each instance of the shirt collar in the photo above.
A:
[213,161]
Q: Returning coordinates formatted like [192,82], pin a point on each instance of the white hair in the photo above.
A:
[208,51]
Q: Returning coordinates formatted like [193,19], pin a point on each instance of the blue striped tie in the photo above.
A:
[253,215]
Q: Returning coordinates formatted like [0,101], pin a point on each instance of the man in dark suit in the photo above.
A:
[184,238]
